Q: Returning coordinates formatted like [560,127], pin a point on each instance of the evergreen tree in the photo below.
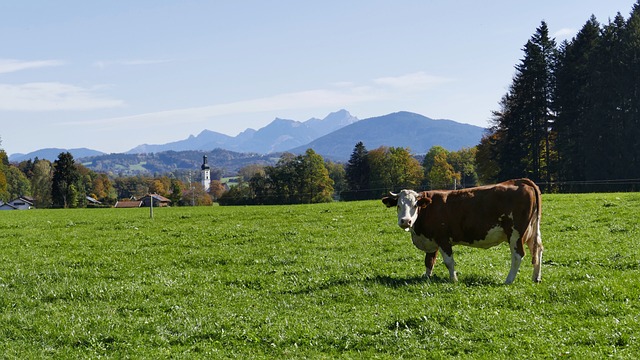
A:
[487,159]
[606,124]
[65,178]
[523,123]
[575,83]
[631,86]
[358,171]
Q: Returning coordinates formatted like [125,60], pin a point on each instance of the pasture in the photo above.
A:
[337,280]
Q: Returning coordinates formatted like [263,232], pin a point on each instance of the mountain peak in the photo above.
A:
[331,122]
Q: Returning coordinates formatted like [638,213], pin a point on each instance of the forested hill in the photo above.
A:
[224,162]
[401,129]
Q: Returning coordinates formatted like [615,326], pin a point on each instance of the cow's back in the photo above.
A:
[468,216]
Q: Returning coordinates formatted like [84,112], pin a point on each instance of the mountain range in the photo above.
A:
[333,137]
[280,135]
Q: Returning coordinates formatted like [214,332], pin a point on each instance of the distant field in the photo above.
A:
[337,280]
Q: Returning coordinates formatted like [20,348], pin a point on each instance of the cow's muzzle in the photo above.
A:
[405,223]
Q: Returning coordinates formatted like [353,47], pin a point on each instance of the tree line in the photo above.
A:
[368,174]
[67,184]
[571,117]
[294,179]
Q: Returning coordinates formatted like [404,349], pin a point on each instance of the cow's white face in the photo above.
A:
[407,209]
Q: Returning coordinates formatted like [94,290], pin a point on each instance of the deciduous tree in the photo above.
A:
[65,178]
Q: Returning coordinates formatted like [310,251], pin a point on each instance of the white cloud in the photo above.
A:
[412,82]
[564,34]
[287,101]
[340,95]
[51,96]
[12,65]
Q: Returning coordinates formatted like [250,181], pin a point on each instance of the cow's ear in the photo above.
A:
[390,201]
[423,201]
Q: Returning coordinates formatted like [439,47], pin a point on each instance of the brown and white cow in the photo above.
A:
[480,217]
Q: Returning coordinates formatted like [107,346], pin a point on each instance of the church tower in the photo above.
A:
[206,174]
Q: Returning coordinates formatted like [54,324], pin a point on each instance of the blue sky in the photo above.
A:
[111,75]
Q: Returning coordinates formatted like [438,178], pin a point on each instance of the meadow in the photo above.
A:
[338,280]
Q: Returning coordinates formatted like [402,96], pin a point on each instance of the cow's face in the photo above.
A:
[408,203]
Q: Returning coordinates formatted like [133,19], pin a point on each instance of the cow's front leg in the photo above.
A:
[447,257]
[430,262]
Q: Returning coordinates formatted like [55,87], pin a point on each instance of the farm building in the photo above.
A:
[158,200]
[128,204]
[145,201]
[20,203]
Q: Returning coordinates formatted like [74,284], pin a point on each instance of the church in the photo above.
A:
[206,174]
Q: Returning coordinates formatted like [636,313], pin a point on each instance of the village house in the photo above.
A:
[20,203]
[145,201]
[158,200]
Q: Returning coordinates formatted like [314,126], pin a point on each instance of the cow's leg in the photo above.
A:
[536,248]
[447,257]
[517,253]
[430,262]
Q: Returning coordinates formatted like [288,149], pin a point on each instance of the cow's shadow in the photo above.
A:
[397,282]
[470,280]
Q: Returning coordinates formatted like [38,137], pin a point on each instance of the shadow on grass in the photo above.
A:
[472,280]
[398,282]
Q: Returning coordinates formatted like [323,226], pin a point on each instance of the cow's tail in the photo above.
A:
[533,236]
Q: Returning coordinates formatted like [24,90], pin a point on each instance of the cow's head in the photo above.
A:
[408,203]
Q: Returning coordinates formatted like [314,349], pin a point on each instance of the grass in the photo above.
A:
[336,280]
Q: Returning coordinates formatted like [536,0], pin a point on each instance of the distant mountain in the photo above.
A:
[279,135]
[333,137]
[206,140]
[401,129]
[52,154]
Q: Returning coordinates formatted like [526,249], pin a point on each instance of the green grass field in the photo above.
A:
[337,280]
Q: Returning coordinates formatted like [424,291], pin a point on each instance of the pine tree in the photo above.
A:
[358,174]
[526,112]
[605,127]
[631,85]
[574,101]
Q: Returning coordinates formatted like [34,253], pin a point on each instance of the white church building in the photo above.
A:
[206,174]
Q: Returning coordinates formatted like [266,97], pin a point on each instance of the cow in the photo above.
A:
[480,217]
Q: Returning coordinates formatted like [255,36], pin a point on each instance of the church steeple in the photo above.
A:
[206,174]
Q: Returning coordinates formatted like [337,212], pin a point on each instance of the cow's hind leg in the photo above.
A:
[517,253]
[430,262]
[447,257]
[535,248]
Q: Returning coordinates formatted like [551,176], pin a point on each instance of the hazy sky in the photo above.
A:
[111,75]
